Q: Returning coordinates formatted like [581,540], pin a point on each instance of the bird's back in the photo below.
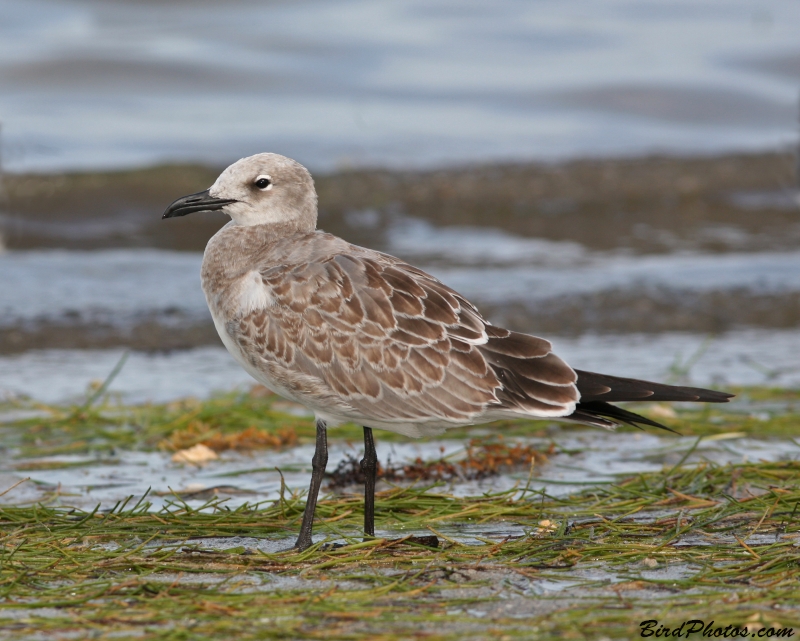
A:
[358,335]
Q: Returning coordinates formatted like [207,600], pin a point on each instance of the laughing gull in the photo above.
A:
[359,336]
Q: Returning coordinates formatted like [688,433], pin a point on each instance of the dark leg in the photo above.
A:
[318,464]
[369,465]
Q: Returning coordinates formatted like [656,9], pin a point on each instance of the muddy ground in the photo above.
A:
[655,204]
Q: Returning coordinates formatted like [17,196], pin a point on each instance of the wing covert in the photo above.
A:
[396,344]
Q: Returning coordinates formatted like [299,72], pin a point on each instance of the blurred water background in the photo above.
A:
[98,83]
[619,175]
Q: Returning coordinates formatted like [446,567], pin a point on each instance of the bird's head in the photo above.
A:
[261,189]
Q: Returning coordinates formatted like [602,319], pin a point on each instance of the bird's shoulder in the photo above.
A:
[320,271]
[324,274]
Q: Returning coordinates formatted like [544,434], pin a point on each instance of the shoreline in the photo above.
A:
[650,204]
[742,358]
[610,312]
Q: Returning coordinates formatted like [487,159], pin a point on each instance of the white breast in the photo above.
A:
[241,297]
[253,294]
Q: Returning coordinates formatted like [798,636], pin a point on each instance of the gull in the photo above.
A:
[359,336]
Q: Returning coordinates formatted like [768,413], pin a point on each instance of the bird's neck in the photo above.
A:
[299,216]
[234,249]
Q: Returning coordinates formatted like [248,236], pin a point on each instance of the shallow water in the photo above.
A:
[748,357]
[97,84]
[123,286]
[582,459]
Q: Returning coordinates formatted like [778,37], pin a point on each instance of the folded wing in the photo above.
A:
[394,343]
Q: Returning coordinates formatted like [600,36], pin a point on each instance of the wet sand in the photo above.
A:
[734,202]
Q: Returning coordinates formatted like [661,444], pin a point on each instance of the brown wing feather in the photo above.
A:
[398,344]
[375,337]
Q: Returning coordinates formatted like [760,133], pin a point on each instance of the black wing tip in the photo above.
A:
[637,420]
[607,388]
[701,394]
[607,412]
[712,396]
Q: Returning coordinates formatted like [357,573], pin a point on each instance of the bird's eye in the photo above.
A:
[263,182]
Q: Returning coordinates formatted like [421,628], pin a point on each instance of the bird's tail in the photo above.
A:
[598,391]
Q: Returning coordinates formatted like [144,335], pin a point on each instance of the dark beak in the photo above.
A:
[192,203]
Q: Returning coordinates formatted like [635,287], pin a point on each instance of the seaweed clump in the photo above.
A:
[482,459]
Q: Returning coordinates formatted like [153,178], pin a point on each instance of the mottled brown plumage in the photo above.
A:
[357,335]
[397,348]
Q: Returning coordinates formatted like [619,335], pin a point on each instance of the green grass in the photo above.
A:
[107,426]
[703,541]
[131,570]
